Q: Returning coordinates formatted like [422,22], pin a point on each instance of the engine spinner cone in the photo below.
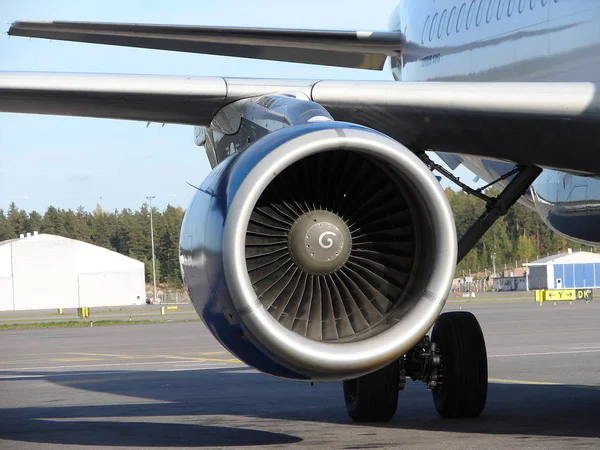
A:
[320,242]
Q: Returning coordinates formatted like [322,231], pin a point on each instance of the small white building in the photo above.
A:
[571,270]
[503,284]
[44,271]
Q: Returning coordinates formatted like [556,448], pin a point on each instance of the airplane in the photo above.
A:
[321,247]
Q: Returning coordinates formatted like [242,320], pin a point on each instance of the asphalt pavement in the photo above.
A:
[172,385]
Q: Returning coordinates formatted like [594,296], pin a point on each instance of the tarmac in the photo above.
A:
[171,385]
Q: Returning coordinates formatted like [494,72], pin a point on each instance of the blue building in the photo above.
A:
[571,270]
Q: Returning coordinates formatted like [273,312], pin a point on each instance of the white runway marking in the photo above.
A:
[13,377]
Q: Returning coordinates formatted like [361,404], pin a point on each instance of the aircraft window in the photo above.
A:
[480,12]
[442,23]
[500,9]
[425,29]
[522,5]
[461,15]
[451,21]
[470,14]
[434,24]
[490,11]
[532,4]
[511,7]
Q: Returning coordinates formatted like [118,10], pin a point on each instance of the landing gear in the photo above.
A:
[373,397]
[464,371]
[453,364]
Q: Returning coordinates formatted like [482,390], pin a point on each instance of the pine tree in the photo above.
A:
[17,219]
[6,229]
[34,222]
[168,248]
[82,227]
[102,227]
[53,223]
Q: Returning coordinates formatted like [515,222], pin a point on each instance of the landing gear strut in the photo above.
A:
[453,362]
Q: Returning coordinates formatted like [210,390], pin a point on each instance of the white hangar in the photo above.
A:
[44,271]
[571,270]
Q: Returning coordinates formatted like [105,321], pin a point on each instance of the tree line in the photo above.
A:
[520,236]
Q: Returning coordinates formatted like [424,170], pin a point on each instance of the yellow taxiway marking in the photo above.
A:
[206,353]
[189,358]
[103,366]
[74,359]
[162,356]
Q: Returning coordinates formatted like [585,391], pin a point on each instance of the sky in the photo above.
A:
[69,162]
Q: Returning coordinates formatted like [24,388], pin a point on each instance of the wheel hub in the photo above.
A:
[320,242]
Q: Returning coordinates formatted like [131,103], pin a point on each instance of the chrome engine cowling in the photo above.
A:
[323,251]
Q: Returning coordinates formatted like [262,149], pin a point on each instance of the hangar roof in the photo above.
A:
[89,258]
[567,258]
[10,241]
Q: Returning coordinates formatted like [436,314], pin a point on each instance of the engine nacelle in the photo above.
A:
[323,251]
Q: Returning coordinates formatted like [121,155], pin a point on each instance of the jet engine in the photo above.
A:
[323,251]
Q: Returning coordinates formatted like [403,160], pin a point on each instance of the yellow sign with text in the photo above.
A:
[557,295]
[561,294]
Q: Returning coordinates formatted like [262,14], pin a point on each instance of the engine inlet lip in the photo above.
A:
[325,360]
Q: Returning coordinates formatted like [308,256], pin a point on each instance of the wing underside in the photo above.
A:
[354,49]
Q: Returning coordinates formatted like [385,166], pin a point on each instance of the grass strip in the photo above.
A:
[82,324]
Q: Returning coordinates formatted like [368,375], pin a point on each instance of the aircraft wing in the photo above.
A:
[355,49]
[547,124]
[148,98]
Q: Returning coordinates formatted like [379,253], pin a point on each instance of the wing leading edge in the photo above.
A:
[354,49]
[548,124]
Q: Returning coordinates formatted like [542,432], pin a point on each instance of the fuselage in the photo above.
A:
[506,41]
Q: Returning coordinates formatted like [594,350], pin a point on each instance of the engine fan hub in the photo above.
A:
[320,242]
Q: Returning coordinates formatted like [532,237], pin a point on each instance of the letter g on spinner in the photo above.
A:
[329,241]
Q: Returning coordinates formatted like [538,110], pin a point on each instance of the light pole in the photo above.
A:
[152,239]
[494,264]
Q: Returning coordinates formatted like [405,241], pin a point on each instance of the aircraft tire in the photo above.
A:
[373,397]
[464,366]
